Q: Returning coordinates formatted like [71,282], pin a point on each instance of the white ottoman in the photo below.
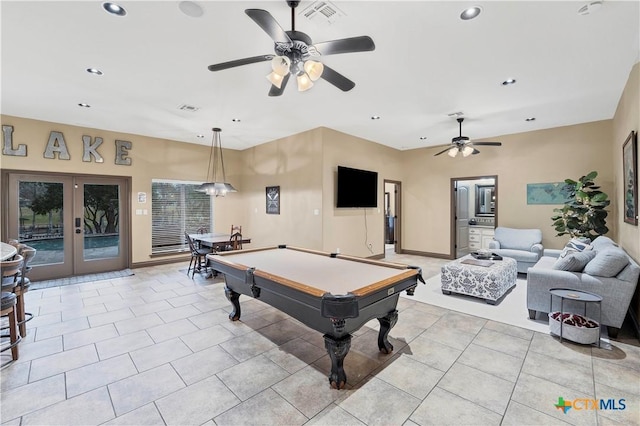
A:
[486,282]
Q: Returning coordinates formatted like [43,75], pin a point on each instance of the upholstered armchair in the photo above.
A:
[523,245]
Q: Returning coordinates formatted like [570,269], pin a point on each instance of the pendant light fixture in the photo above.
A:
[215,186]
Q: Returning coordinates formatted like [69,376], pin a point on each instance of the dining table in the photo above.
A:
[215,240]
[7,251]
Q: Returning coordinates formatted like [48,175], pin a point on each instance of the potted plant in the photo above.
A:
[584,214]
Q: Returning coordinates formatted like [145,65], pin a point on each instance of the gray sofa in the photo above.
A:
[523,245]
[616,290]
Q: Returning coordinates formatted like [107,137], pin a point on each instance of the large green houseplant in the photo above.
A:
[584,214]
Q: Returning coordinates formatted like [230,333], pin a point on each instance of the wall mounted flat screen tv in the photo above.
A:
[357,188]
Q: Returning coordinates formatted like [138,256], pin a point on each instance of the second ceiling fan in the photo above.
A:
[462,144]
[296,54]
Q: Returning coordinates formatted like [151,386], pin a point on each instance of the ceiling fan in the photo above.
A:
[296,54]
[464,145]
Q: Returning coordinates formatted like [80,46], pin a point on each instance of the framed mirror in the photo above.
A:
[485,200]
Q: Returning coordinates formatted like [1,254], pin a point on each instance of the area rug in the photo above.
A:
[510,309]
[36,285]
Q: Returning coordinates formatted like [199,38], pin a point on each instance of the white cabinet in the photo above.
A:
[479,237]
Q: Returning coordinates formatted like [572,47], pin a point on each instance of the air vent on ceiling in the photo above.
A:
[323,11]
[190,108]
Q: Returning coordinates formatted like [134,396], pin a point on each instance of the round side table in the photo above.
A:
[579,296]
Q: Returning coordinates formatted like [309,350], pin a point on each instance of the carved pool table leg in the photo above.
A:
[234,298]
[386,324]
[337,349]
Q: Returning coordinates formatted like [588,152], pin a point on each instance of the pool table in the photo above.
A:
[332,293]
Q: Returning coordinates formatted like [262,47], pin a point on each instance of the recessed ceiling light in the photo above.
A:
[114,9]
[191,9]
[422,138]
[530,119]
[235,120]
[94,71]
[83,105]
[509,81]
[470,13]
[200,136]
[375,117]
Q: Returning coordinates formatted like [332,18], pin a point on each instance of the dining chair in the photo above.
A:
[198,254]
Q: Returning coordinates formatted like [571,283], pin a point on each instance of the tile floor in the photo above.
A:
[158,348]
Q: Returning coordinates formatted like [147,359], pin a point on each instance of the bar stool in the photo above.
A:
[28,253]
[9,272]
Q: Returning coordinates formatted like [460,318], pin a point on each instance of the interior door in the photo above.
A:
[76,223]
[462,220]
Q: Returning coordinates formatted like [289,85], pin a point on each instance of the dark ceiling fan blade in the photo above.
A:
[274,91]
[269,24]
[239,62]
[345,45]
[488,143]
[443,151]
[337,79]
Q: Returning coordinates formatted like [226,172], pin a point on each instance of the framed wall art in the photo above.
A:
[630,178]
[273,199]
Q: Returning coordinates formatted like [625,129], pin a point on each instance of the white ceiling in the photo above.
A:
[428,63]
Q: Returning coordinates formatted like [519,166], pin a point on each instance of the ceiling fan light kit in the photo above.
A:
[463,144]
[297,55]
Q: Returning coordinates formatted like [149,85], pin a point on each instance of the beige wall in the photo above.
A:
[295,164]
[550,155]
[626,119]
[151,158]
[359,232]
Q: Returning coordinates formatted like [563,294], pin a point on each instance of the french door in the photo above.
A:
[77,224]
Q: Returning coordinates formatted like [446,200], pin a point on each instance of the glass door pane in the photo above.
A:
[41,217]
[101,221]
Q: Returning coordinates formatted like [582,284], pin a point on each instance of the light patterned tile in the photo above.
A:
[194,404]
[200,365]
[146,415]
[178,328]
[502,342]
[481,388]
[93,407]
[491,361]
[252,376]
[334,415]
[141,389]
[444,408]
[379,403]
[617,376]
[32,397]
[88,336]
[99,374]
[273,410]
[557,371]
[431,352]
[123,344]
[61,362]
[308,390]
[161,353]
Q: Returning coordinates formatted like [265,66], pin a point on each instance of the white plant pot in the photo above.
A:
[583,335]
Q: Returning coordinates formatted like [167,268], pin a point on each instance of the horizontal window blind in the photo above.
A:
[176,208]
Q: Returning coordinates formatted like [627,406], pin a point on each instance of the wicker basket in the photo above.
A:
[584,335]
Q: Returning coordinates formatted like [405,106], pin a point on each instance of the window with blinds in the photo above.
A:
[176,208]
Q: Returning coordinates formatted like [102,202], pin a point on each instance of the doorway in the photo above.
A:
[78,224]
[474,207]
[392,207]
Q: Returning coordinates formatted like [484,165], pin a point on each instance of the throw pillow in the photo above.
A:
[574,262]
[575,246]
[607,263]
